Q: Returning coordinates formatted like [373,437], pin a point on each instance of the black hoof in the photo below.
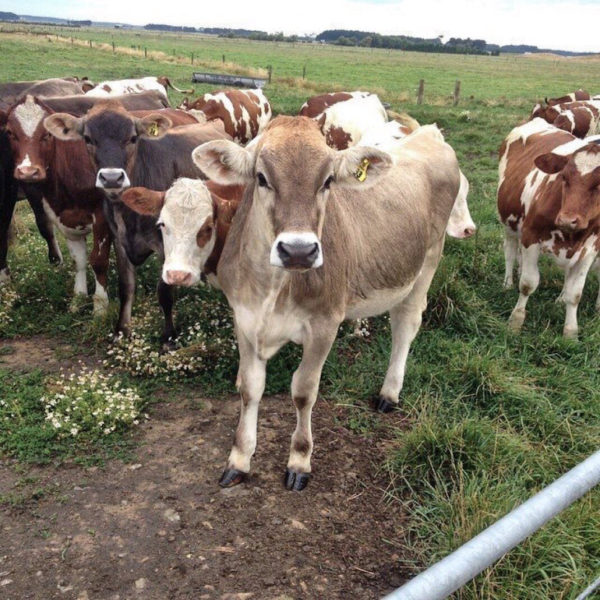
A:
[385,406]
[54,259]
[232,477]
[296,481]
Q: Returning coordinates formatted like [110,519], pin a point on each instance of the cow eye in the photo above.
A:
[10,134]
[262,180]
[328,182]
[160,225]
[88,139]
[134,139]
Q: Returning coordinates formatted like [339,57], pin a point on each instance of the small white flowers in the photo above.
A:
[8,297]
[90,403]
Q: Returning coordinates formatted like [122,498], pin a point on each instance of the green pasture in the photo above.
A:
[491,417]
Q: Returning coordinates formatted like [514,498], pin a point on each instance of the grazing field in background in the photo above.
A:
[490,416]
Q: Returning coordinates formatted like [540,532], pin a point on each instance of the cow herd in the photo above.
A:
[303,222]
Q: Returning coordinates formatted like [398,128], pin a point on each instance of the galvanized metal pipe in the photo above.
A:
[452,572]
[588,591]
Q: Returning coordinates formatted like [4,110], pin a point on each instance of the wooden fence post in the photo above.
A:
[270,70]
[304,72]
[145,52]
[90,43]
[113,45]
[456,92]
[223,59]
[192,58]
[421,91]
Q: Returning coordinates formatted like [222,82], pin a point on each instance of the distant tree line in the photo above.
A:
[176,28]
[8,16]
[344,37]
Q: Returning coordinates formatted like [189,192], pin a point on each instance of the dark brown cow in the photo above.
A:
[75,105]
[244,113]
[61,176]
[11,92]
[548,200]
[127,151]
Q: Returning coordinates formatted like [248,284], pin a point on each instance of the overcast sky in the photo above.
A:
[570,25]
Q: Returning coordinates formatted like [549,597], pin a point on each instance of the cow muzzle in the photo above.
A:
[571,222]
[176,277]
[30,174]
[112,179]
[297,251]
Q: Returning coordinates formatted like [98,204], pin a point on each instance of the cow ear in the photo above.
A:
[153,126]
[551,163]
[64,126]
[225,162]
[360,166]
[144,201]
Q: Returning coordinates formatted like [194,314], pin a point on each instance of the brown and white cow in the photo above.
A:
[194,218]
[391,137]
[345,120]
[119,87]
[549,201]
[314,107]
[244,113]
[322,236]
[581,118]
[61,176]
[128,151]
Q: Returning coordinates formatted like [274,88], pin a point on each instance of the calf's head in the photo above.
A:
[289,172]
[111,135]
[579,174]
[31,144]
[186,216]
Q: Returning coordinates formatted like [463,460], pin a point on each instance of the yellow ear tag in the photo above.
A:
[153,129]
[361,172]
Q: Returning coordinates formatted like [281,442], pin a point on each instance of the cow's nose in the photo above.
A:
[568,222]
[112,179]
[32,173]
[178,277]
[298,255]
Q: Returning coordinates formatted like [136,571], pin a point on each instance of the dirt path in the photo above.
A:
[160,528]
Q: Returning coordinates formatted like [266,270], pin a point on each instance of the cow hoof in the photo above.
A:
[100,306]
[4,276]
[516,320]
[168,346]
[570,333]
[78,302]
[295,480]
[121,333]
[54,259]
[382,405]
[232,477]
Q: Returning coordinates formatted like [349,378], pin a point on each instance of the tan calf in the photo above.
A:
[322,236]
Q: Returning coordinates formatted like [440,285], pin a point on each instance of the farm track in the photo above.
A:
[160,528]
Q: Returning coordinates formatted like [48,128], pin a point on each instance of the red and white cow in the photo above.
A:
[581,118]
[106,89]
[391,137]
[315,106]
[549,201]
[244,113]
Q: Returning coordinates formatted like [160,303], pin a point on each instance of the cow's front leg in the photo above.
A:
[305,387]
[78,251]
[166,301]
[126,272]
[251,375]
[46,229]
[573,288]
[528,282]
[99,259]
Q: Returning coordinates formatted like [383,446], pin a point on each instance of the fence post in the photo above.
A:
[145,52]
[90,43]
[270,70]
[456,92]
[304,72]
[113,45]
[223,59]
[192,58]
[421,91]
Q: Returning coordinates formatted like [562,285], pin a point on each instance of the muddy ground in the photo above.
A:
[160,528]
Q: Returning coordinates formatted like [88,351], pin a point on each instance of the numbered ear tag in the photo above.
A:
[153,129]
[361,172]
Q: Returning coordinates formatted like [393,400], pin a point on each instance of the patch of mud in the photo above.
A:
[160,528]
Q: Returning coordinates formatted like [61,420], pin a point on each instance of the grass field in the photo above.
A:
[492,416]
